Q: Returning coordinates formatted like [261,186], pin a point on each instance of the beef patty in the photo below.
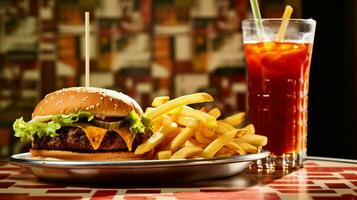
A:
[74,139]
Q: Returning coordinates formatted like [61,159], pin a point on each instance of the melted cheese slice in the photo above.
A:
[126,136]
[94,134]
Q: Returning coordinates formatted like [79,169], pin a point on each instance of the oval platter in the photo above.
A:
[134,171]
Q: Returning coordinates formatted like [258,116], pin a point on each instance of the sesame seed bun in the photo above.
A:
[97,101]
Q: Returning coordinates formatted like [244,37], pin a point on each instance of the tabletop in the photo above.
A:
[318,180]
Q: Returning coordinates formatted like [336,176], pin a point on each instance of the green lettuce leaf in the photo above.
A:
[64,120]
[26,130]
[138,124]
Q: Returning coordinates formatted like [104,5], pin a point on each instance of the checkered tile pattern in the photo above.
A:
[319,180]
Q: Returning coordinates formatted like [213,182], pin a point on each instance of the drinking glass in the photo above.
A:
[278,85]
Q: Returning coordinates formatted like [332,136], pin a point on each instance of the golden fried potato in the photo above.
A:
[159,101]
[185,152]
[235,119]
[178,102]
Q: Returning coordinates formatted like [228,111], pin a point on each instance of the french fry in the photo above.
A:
[224,151]
[163,155]
[180,101]
[248,130]
[226,125]
[218,143]
[236,147]
[201,116]
[204,109]
[193,143]
[169,137]
[235,119]
[200,138]
[148,109]
[215,112]
[174,111]
[241,132]
[151,143]
[165,144]
[187,121]
[180,139]
[185,152]
[248,148]
[223,155]
[159,100]
[255,140]
[189,143]
[207,132]
[156,138]
[238,140]
[174,131]
[161,119]
[223,127]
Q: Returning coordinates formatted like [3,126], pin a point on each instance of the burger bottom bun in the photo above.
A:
[69,155]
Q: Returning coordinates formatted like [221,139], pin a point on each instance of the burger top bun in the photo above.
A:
[98,101]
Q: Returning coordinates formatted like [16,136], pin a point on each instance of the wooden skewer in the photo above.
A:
[87,48]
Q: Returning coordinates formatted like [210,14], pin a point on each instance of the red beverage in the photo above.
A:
[278,79]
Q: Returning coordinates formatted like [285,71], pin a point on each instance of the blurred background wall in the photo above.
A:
[333,79]
[147,48]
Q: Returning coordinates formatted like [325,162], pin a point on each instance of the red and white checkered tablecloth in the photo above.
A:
[319,180]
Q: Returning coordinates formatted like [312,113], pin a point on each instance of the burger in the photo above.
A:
[85,123]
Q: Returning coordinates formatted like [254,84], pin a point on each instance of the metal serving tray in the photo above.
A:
[134,171]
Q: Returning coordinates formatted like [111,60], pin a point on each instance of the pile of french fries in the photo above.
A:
[181,132]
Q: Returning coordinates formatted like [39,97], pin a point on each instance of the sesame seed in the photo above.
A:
[87,108]
[85,98]
[111,99]
[101,98]
[97,105]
